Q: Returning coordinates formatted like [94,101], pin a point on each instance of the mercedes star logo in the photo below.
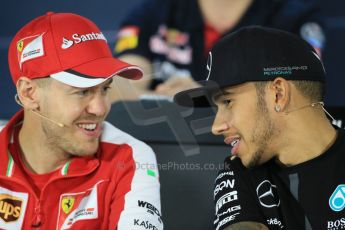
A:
[268,194]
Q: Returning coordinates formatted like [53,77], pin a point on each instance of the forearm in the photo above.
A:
[247,226]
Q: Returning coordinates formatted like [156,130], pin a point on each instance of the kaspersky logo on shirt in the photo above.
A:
[10,207]
[79,38]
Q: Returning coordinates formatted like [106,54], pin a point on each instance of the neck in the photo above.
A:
[37,154]
[223,15]
[306,135]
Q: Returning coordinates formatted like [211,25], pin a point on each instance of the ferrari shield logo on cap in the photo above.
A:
[20,45]
[29,48]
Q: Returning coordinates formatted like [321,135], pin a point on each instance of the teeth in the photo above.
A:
[234,142]
[87,126]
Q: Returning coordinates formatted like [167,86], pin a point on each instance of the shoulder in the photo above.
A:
[3,124]
[235,176]
[341,133]
[117,137]
[339,144]
[4,128]
[232,167]
[235,196]
[230,178]
[112,134]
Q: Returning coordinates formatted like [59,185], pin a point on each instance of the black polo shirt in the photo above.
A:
[310,195]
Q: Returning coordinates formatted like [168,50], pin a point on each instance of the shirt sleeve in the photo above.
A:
[138,190]
[234,198]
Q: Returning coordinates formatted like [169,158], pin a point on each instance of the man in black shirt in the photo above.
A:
[286,165]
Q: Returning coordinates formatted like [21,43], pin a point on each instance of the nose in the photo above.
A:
[99,105]
[219,125]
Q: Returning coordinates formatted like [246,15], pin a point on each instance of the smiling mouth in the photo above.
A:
[88,127]
[232,141]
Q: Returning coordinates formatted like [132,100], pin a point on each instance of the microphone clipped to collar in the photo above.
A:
[320,103]
[16,98]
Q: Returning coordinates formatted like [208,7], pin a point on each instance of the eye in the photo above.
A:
[226,102]
[106,89]
[84,92]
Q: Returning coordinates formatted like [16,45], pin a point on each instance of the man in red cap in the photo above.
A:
[61,165]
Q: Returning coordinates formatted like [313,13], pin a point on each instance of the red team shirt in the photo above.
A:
[118,188]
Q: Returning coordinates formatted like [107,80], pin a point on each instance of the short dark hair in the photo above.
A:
[260,88]
[43,82]
[311,90]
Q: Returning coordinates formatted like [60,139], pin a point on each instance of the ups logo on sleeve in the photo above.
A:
[10,207]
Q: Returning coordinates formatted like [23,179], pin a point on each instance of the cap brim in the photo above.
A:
[96,72]
[198,97]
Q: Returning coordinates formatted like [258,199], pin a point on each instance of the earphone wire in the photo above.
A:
[16,98]
[322,104]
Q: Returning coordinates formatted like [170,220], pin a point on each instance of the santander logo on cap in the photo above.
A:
[80,38]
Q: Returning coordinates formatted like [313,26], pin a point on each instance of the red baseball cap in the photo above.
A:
[68,48]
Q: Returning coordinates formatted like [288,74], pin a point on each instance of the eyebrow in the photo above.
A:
[223,93]
[109,81]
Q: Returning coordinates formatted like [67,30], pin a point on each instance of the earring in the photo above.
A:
[16,98]
[277,108]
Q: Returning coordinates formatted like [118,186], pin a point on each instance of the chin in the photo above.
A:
[246,164]
[252,162]
[86,151]
[83,153]
[244,161]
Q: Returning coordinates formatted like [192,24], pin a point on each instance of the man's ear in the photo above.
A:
[281,91]
[27,91]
